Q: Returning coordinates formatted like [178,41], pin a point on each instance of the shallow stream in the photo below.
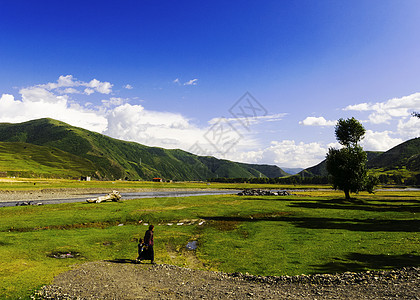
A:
[125,196]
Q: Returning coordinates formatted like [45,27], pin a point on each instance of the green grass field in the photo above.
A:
[22,184]
[310,232]
[22,159]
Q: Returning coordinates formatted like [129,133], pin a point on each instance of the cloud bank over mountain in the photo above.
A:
[239,139]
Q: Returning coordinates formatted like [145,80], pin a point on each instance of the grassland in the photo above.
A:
[22,159]
[31,184]
[310,232]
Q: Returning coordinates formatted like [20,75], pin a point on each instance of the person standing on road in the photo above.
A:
[148,240]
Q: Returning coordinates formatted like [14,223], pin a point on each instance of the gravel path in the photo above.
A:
[126,280]
[46,194]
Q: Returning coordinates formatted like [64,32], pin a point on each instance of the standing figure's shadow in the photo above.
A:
[126,261]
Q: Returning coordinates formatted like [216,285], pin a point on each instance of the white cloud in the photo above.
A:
[38,103]
[39,94]
[251,120]
[286,153]
[63,81]
[317,121]
[162,129]
[88,91]
[100,87]
[68,84]
[409,128]
[67,81]
[128,87]
[52,100]
[383,112]
[191,82]
[70,91]
[379,141]
[359,107]
[114,101]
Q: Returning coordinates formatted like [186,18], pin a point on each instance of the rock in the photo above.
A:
[259,192]
[115,196]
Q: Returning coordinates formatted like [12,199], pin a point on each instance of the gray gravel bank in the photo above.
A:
[111,280]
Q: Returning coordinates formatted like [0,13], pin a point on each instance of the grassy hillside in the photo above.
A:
[267,170]
[27,160]
[115,159]
[399,165]
[403,155]
[321,168]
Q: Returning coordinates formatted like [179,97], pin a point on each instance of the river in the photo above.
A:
[125,196]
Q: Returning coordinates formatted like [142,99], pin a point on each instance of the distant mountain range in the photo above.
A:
[293,171]
[50,148]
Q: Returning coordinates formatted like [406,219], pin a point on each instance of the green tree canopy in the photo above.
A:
[349,132]
[347,166]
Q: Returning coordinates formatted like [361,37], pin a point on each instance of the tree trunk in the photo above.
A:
[347,193]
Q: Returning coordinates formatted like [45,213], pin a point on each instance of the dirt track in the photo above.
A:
[126,280]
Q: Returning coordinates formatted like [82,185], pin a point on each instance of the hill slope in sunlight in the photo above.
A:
[108,158]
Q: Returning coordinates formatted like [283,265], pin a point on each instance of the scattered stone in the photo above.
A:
[259,192]
[27,203]
[64,255]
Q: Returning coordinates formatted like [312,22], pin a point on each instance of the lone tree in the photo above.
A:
[347,166]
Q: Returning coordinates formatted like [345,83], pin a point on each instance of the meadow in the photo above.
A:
[309,232]
[38,184]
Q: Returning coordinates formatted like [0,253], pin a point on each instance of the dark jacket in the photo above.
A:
[148,237]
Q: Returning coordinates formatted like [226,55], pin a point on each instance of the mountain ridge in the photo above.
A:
[403,156]
[117,159]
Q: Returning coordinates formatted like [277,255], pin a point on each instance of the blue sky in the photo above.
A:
[181,74]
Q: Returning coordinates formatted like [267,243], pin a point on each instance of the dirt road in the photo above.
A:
[126,280]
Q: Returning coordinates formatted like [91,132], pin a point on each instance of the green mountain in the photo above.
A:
[25,160]
[321,168]
[405,156]
[92,154]
[317,170]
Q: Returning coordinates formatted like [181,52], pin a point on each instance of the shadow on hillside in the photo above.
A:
[365,206]
[366,225]
[357,262]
